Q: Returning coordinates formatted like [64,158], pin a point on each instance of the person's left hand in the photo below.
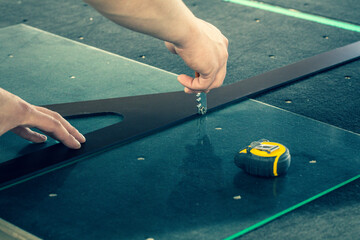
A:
[19,116]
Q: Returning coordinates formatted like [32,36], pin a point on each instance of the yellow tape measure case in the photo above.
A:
[264,158]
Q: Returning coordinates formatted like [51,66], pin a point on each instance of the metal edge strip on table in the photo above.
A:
[9,231]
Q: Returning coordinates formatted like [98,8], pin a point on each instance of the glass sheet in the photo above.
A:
[180,183]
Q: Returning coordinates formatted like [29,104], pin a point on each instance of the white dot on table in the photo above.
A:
[238,197]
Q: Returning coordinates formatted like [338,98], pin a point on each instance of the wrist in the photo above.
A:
[190,34]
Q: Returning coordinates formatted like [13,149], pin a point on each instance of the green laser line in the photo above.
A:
[297,14]
[267,220]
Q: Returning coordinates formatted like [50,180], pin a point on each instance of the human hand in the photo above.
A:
[205,52]
[200,44]
[19,116]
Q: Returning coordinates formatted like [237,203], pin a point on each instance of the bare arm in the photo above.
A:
[157,18]
[198,43]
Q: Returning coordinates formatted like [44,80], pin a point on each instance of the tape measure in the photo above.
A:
[264,158]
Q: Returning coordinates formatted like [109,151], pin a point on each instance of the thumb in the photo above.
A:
[186,81]
[193,85]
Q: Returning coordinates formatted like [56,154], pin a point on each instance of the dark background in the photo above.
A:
[332,97]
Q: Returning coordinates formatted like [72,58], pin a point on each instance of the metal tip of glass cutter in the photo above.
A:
[201,103]
[201,100]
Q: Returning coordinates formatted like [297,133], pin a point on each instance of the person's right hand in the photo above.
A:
[19,116]
[206,52]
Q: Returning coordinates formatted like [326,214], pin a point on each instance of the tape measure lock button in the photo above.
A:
[264,158]
[263,146]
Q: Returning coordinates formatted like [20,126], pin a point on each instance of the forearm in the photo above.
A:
[169,20]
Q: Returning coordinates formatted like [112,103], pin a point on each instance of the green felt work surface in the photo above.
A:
[186,184]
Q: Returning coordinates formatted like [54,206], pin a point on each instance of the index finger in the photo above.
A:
[73,131]
[53,127]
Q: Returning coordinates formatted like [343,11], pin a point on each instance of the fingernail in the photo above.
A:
[78,144]
[83,139]
[44,137]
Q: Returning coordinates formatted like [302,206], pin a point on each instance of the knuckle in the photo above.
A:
[56,115]
[226,41]
[25,108]
[225,55]
[72,130]
[24,112]
[56,123]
